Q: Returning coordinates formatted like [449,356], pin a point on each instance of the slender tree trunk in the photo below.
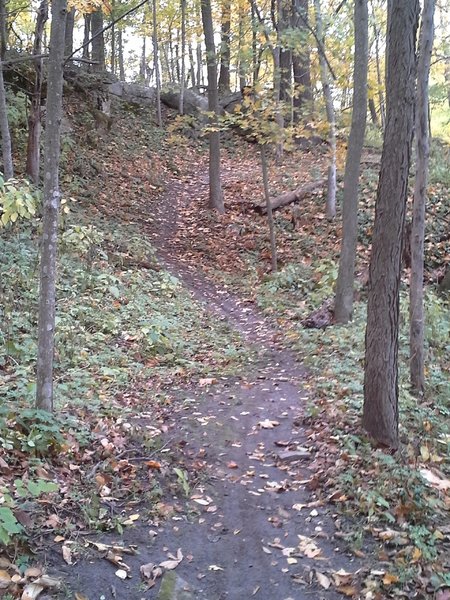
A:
[34,119]
[156,63]
[87,36]
[380,415]
[192,65]
[255,61]
[120,55]
[143,61]
[68,40]
[199,65]
[331,193]
[343,307]
[422,133]
[273,244]
[98,42]
[8,169]
[241,63]
[376,32]
[183,56]
[215,188]
[373,111]
[225,52]
[51,203]
[113,49]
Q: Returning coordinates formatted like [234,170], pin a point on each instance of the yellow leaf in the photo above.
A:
[390,578]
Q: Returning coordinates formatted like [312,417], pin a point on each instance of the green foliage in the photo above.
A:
[32,431]
[18,200]
[16,104]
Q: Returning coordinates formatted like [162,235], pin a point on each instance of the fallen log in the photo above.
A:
[290,197]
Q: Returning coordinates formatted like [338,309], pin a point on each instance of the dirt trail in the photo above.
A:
[240,534]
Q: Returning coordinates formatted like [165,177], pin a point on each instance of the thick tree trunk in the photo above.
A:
[270,221]
[343,307]
[3,29]
[301,64]
[34,119]
[156,63]
[380,416]
[8,170]
[324,75]
[87,36]
[215,188]
[68,38]
[98,41]
[225,52]
[422,133]
[51,203]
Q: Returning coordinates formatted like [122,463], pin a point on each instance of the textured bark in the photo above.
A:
[191,65]
[87,36]
[8,170]
[98,41]
[380,415]
[225,52]
[270,221]
[215,188]
[422,133]
[373,111]
[34,119]
[325,78]
[241,63]
[301,63]
[376,32]
[3,29]
[51,203]
[343,307]
[68,37]
[156,63]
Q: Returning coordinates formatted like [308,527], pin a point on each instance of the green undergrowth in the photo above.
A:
[117,321]
[399,499]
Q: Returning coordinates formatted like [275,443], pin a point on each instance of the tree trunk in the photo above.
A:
[422,133]
[380,415]
[8,169]
[373,111]
[183,55]
[3,30]
[225,53]
[87,36]
[120,55]
[156,63]
[98,42]
[301,64]
[343,307]
[215,188]
[273,244]
[143,61]
[324,75]
[241,62]
[285,18]
[113,50]
[376,33]
[192,65]
[68,38]
[51,203]
[34,119]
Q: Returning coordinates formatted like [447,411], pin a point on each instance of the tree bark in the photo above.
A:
[120,54]
[183,56]
[3,30]
[376,33]
[225,52]
[192,66]
[331,118]
[34,119]
[380,415]
[51,203]
[8,169]
[290,197]
[87,36]
[98,42]
[373,111]
[156,63]
[273,243]
[215,188]
[301,64]
[68,38]
[422,144]
[343,307]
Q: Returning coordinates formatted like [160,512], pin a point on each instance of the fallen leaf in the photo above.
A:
[67,554]
[31,591]
[33,572]
[121,574]
[232,465]
[215,568]
[323,580]
[268,424]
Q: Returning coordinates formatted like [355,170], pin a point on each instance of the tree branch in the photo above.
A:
[320,47]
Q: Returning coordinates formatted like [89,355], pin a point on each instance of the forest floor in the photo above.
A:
[217,444]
